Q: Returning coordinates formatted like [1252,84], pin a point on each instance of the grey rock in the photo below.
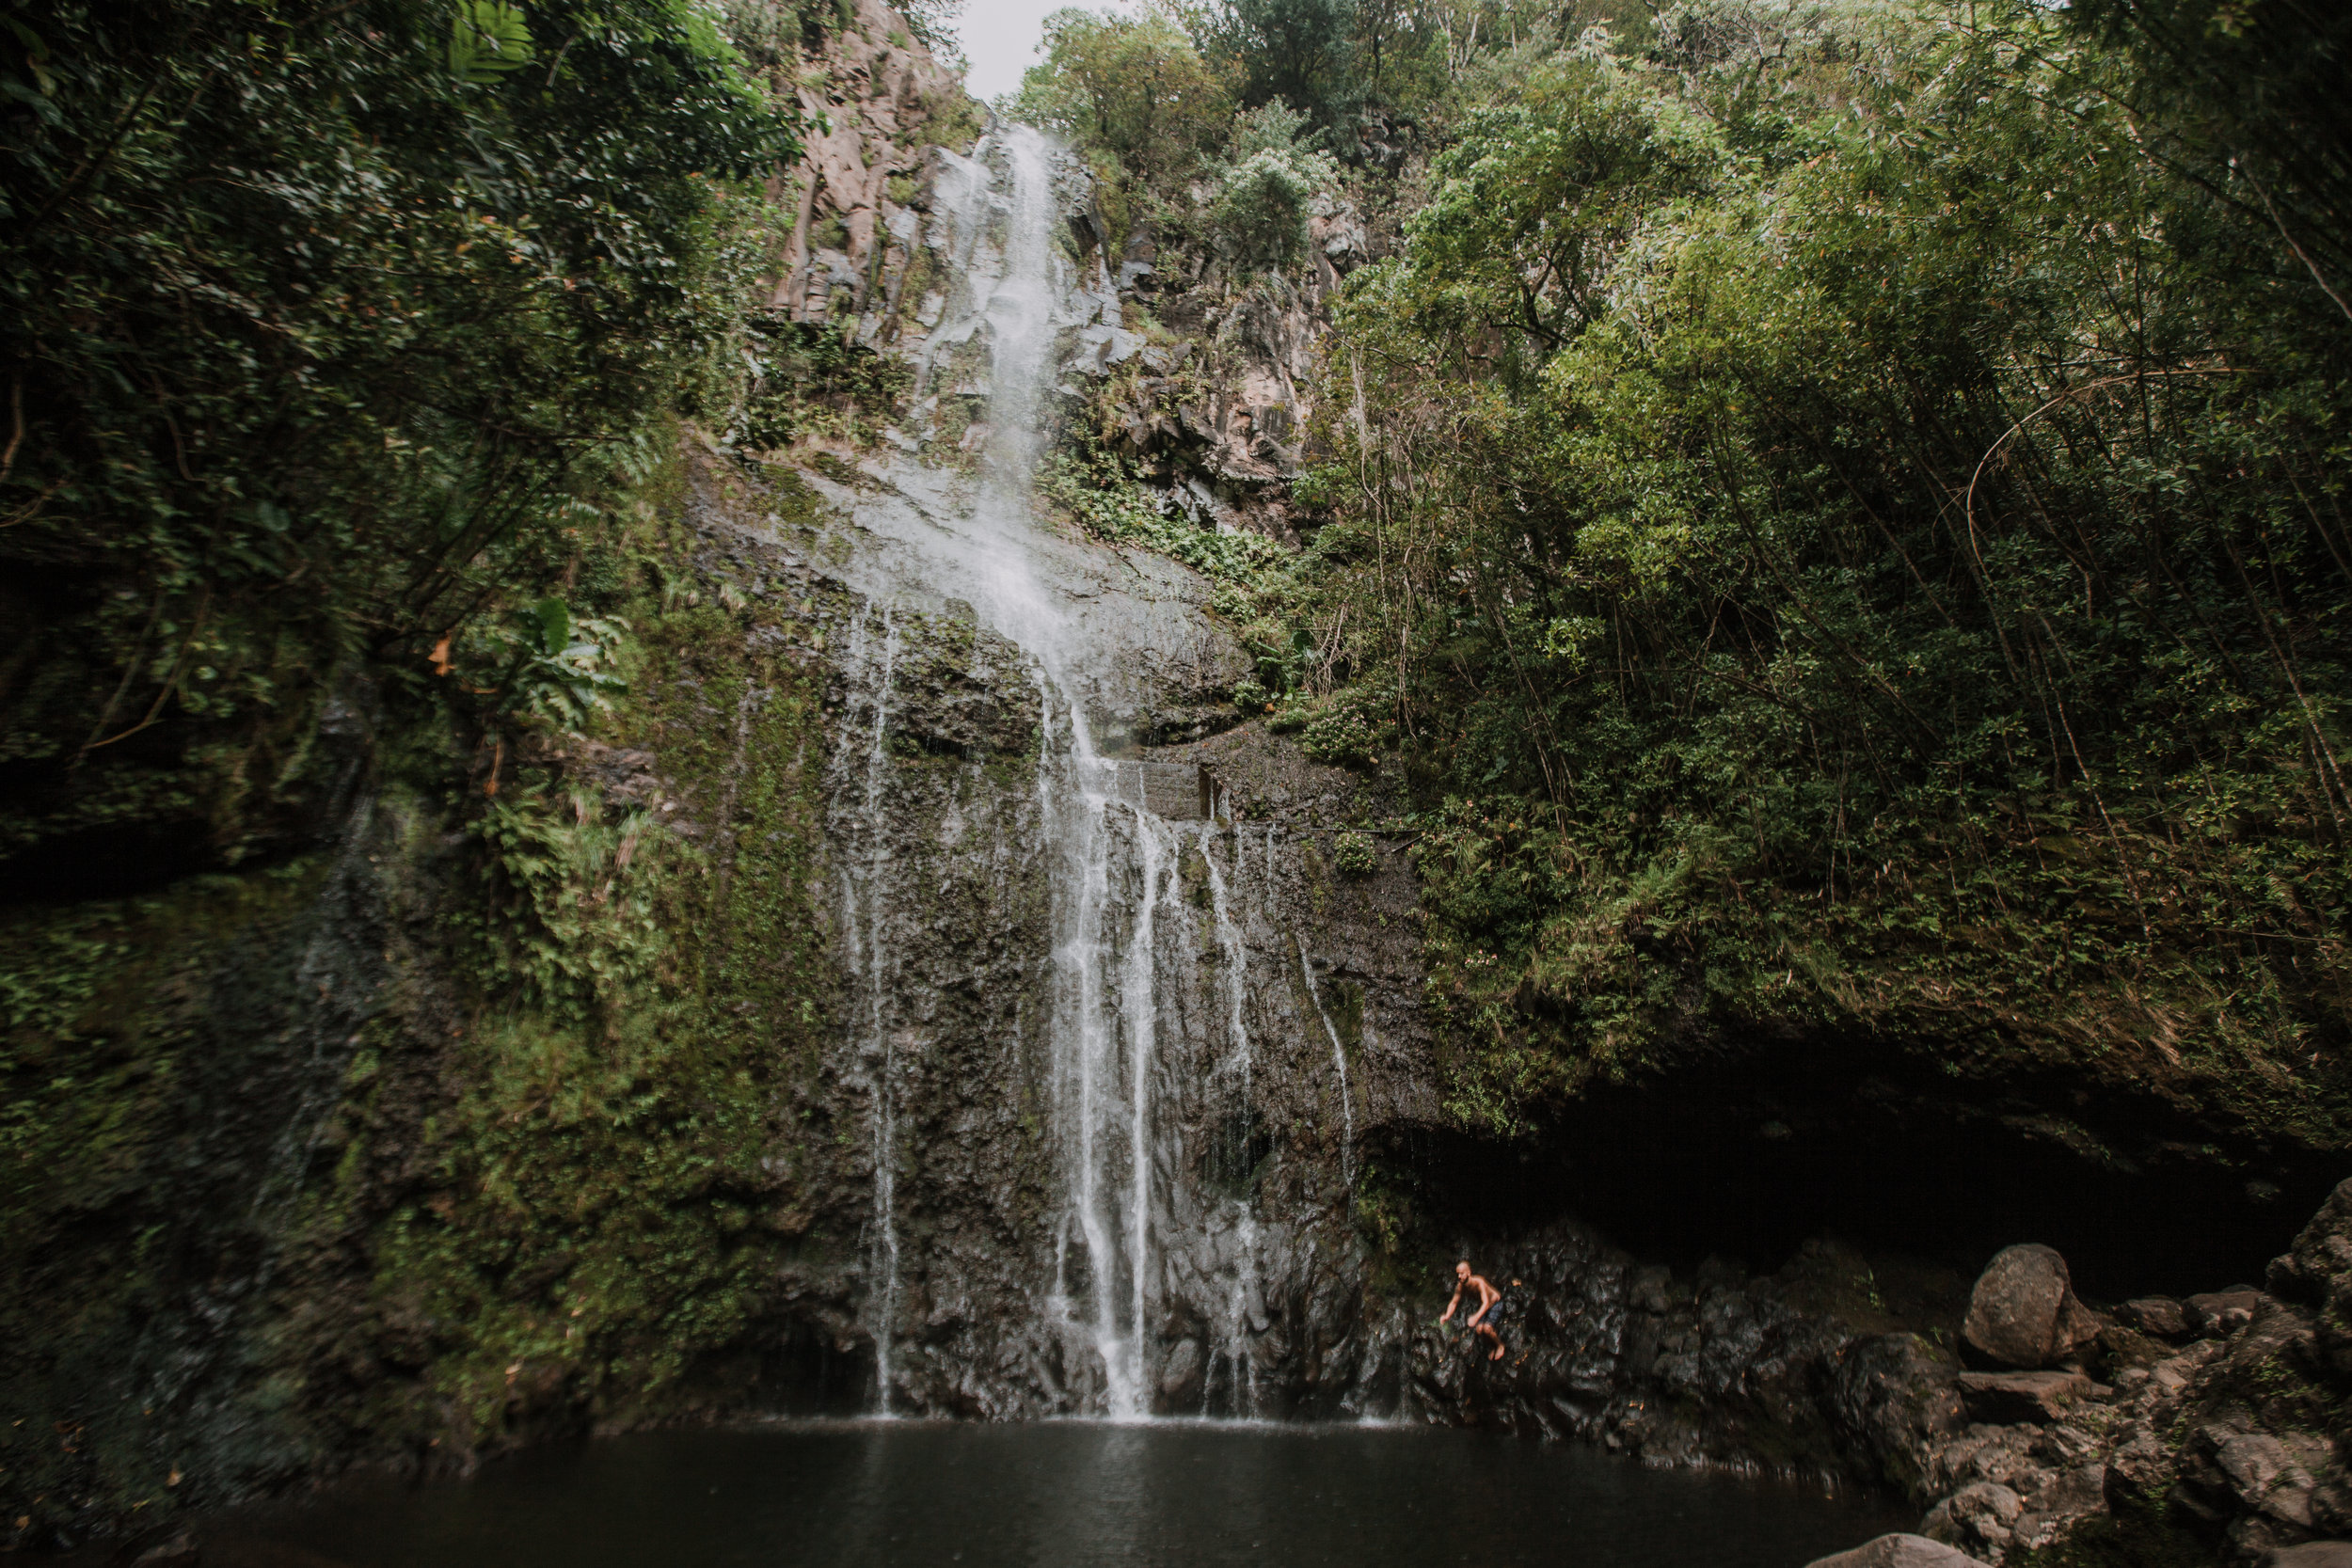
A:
[1979,1518]
[2318,1272]
[2158,1315]
[2140,1470]
[2311,1554]
[1179,1380]
[2227,1473]
[1896,1398]
[1909,1551]
[2038,1397]
[2023,1312]
[2217,1314]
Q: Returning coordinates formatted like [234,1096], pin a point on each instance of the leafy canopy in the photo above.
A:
[322,327]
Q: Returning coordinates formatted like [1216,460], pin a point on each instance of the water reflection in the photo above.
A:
[1059,1495]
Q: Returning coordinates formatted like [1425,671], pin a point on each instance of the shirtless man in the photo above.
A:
[1487,1295]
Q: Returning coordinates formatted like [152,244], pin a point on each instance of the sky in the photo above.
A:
[1000,40]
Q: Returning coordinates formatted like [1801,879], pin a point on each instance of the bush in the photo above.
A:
[1249,697]
[1266,186]
[1354,854]
[1111,506]
[1342,737]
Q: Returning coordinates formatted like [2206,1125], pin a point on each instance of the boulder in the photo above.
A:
[2320,1263]
[2318,1272]
[1895,1397]
[2159,1316]
[2003,1398]
[1914,1551]
[2059,1504]
[1179,1379]
[2219,1314]
[2311,1554]
[2023,1312]
[1980,1518]
[2140,1469]
[2225,1471]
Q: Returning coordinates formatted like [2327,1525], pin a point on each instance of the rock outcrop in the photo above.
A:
[2233,1440]
[1898,1551]
[2024,1313]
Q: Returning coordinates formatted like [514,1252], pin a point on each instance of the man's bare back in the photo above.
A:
[1487,1295]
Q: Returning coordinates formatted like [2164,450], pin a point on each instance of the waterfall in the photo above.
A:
[1233,955]
[865,934]
[1145,1280]
[1111,859]
[1339,1061]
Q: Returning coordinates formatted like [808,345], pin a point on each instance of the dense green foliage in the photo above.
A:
[1131,88]
[1840,514]
[1340,59]
[1855,540]
[525,1192]
[586,1217]
[324,328]
[1265,183]
[342,349]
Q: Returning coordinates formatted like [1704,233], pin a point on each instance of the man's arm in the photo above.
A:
[1451,1305]
[1488,1296]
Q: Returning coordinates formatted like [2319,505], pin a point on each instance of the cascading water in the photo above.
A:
[1339,1064]
[1112,853]
[861,774]
[1142,1012]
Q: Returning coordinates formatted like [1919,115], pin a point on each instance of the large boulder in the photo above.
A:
[1898,1551]
[2219,1314]
[2024,1313]
[2159,1316]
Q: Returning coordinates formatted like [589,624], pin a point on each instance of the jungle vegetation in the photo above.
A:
[329,336]
[1837,511]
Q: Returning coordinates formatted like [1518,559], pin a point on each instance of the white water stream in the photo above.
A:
[1121,925]
[865,928]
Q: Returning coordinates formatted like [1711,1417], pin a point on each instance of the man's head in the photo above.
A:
[1462,1269]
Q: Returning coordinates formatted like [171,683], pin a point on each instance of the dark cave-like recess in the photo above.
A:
[1748,1160]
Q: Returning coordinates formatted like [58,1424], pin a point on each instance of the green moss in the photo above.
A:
[114,1034]
[599,1218]
[559,1168]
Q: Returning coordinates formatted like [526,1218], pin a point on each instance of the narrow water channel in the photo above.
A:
[1167,1494]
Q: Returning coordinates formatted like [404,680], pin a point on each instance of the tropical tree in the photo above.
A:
[1132,88]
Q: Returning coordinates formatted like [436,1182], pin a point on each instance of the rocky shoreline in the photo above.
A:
[2207,1428]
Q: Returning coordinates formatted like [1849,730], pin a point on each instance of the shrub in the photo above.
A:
[1342,737]
[1354,854]
[1266,186]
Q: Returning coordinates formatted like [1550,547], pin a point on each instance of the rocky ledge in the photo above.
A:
[2048,1430]
[2217,1420]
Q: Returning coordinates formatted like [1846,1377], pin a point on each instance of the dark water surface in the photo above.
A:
[1166,1495]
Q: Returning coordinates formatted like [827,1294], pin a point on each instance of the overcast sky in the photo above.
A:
[1000,38]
